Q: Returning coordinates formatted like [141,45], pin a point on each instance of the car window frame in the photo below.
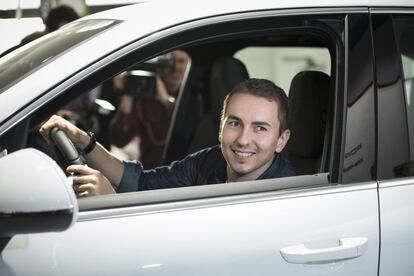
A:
[385,66]
[359,152]
[121,59]
[198,192]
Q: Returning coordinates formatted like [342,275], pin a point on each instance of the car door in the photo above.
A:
[394,63]
[325,223]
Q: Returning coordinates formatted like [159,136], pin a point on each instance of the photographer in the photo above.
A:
[145,116]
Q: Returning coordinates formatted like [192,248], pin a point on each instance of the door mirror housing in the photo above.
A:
[35,198]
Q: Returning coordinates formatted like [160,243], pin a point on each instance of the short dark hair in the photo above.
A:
[265,89]
[60,14]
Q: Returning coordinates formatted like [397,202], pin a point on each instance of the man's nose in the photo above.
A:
[244,137]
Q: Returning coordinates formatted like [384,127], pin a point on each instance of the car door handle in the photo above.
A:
[325,251]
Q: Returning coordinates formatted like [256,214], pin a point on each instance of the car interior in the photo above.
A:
[310,95]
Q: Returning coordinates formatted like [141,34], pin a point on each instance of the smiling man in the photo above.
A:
[253,132]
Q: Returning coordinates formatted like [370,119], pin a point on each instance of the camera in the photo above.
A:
[141,79]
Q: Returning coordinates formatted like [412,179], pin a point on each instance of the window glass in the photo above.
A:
[408,69]
[11,69]
[404,27]
[130,113]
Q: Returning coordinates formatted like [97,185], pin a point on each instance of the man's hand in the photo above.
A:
[119,82]
[162,94]
[78,137]
[89,182]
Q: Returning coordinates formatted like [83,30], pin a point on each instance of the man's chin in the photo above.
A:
[240,171]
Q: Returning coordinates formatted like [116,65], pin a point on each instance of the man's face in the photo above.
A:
[173,75]
[249,136]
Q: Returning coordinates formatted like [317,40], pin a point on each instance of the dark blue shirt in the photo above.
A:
[204,167]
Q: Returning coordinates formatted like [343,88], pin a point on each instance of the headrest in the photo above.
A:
[226,73]
[308,98]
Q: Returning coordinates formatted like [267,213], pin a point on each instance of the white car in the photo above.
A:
[348,68]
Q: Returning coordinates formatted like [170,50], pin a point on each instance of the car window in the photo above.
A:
[394,61]
[264,56]
[406,43]
[408,69]
[403,28]
[195,117]
[30,59]
[129,113]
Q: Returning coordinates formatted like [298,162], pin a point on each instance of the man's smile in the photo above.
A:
[243,154]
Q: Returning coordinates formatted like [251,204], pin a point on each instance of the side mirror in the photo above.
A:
[35,195]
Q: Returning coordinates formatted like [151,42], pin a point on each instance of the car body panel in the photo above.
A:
[237,238]
[397,239]
[396,185]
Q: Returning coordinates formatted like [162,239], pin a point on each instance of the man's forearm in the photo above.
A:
[103,161]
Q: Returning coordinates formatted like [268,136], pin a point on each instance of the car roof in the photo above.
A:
[198,9]
[140,20]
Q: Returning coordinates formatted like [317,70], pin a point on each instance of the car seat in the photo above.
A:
[308,108]
[226,72]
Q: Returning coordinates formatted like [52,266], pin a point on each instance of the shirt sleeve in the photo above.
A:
[179,174]
[130,177]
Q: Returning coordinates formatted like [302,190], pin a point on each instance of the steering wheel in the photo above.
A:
[65,147]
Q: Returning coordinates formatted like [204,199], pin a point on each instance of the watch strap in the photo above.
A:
[92,143]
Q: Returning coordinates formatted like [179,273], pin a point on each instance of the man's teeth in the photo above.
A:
[243,154]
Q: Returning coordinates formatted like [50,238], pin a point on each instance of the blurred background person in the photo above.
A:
[56,18]
[144,113]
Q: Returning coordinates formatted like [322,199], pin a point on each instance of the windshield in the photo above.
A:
[31,59]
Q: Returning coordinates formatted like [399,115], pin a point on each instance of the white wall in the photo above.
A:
[280,64]
[13,30]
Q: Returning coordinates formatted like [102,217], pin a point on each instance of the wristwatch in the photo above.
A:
[92,143]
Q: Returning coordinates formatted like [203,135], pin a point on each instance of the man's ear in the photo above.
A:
[282,140]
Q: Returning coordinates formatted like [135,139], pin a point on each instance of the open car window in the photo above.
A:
[195,117]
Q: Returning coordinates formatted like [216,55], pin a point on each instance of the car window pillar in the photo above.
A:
[359,152]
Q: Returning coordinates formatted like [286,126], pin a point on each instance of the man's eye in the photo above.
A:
[233,123]
[260,128]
